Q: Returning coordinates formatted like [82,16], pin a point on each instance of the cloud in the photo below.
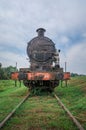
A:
[76,59]
[10,57]
[64,21]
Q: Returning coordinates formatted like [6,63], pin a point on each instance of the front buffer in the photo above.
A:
[40,80]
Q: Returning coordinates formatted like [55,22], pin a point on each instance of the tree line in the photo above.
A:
[5,72]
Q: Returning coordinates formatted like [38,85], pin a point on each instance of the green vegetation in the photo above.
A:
[74,97]
[10,96]
[43,112]
[5,72]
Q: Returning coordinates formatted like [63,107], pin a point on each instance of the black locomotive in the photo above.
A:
[44,72]
[42,53]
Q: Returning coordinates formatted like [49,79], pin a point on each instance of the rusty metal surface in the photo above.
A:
[66,76]
[40,76]
[14,76]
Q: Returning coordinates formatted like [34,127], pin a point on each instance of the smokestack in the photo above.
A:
[40,32]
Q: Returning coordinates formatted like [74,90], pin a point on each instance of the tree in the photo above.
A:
[5,73]
[0,65]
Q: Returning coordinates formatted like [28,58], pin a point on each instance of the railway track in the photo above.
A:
[13,111]
[58,100]
[69,113]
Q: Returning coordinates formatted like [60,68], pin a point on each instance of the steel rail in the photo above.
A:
[69,113]
[13,111]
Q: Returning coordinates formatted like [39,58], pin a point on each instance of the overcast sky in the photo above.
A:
[65,24]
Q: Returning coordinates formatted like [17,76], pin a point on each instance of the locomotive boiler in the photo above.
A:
[44,72]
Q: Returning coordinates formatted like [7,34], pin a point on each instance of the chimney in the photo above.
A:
[40,32]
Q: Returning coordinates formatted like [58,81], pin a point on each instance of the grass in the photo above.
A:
[9,97]
[43,112]
[74,97]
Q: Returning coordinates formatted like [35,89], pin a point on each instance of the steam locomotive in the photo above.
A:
[45,71]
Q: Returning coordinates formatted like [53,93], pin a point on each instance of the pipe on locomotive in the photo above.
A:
[40,32]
